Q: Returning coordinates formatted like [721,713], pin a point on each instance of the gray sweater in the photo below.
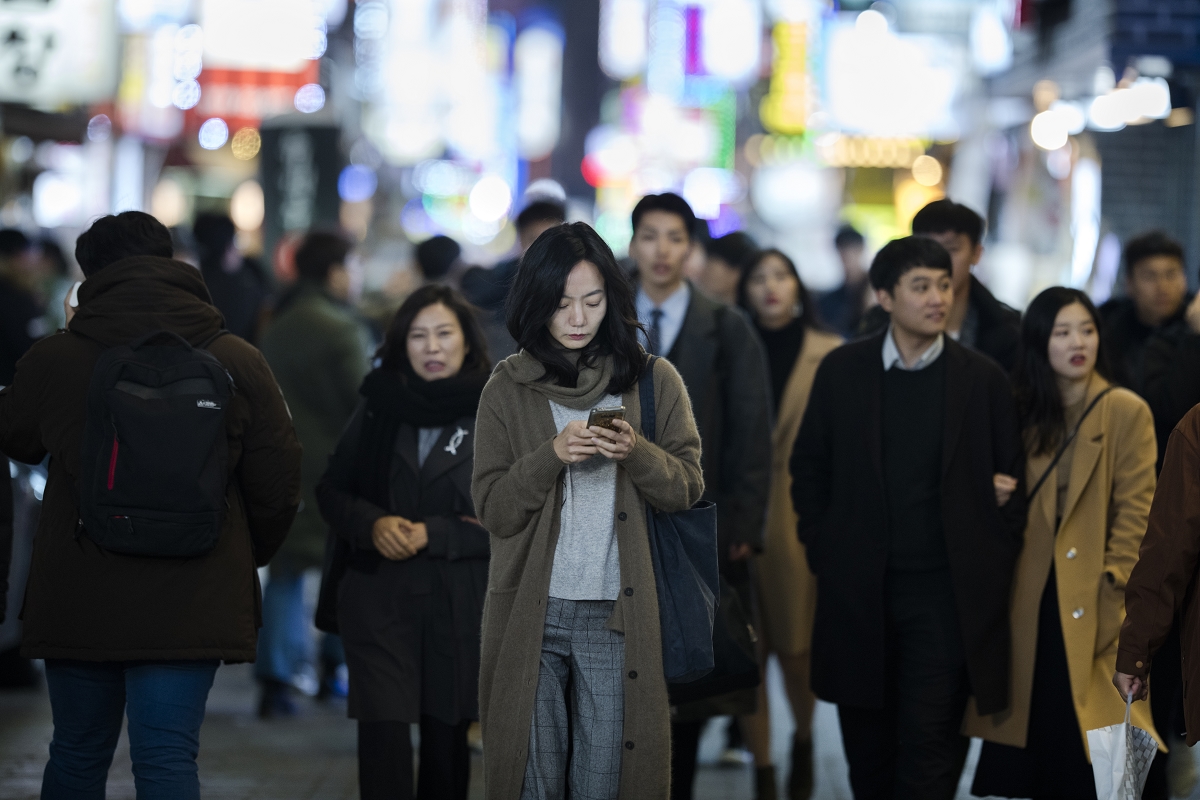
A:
[586,565]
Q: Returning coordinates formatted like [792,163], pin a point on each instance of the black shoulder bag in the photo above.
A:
[683,549]
[1062,448]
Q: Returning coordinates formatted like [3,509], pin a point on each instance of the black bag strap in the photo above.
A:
[1062,448]
[646,392]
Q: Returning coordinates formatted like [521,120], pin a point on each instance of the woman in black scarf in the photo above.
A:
[409,561]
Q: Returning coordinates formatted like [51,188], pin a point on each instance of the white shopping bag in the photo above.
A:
[1121,756]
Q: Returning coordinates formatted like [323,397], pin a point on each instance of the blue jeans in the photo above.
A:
[164,701]
[285,641]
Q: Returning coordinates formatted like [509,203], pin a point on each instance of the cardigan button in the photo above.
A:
[621,516]
[1077,613]
[1072,553]
[633,672]
[1138,664]
[629,591]
[629,745]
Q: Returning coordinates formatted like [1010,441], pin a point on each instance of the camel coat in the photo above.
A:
[1108,501]
[517,491]
[787,591]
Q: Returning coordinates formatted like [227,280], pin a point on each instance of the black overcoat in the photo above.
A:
[838,490]
[411,628]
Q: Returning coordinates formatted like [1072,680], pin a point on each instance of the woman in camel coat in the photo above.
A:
[1086,523]
[783,313]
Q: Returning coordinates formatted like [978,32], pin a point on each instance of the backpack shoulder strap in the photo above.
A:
[207,342]
[646,393]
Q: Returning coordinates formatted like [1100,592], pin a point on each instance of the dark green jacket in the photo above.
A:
[318,350]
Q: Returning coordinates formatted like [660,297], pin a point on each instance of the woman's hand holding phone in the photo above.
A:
[615,444]
[575,443]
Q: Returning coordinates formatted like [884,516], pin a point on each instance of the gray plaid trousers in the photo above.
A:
[578,713]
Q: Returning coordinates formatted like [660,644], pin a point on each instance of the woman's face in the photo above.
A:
[773,291]
[1074,342]
[436,343]
[582,308]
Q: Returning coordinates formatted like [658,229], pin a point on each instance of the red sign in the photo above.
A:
[244,98]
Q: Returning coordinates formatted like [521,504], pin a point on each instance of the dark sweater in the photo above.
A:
[913,420]
[783,348]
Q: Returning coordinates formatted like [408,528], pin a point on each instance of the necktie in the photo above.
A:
[653,336]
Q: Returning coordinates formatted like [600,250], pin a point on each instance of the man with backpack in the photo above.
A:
[174,473]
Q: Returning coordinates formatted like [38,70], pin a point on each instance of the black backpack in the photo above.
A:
[152,479]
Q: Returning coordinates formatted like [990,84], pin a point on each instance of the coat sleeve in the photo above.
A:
[668,474]
[20,403]
[1168,557]
[508,490]
[269,471]
[811,463]
[453,538]
[349,515]
[1172,374]
[1009,452]
[745,457]
[1132,492]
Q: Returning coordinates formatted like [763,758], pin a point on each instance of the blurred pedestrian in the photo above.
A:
[783,313]
[1164,579]
[488,288]
[409,606]
[900,481]
[439,259]
[141,636]
[55,279]
[237,283]
[976,319]
[722,364]
[842,308]
[318,350]
[1090,460]
[725,264]
[572,595]
[21,316]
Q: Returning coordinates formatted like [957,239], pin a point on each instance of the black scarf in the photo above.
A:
[394,398]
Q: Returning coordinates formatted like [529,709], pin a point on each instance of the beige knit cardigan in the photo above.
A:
[518,492]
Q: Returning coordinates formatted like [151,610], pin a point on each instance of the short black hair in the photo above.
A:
[848,236]
[670,203]
[735,249]
[214,235]
[542,211]
[946,216]
[319,253]
[119,236]
[899,256]
[435,256]
[1148,245]
[12,242]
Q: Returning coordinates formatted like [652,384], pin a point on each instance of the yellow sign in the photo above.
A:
[786,107]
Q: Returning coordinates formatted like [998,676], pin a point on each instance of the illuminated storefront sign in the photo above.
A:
[58,51]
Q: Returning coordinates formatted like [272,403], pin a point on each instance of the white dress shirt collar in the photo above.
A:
[892,357]
[674,310]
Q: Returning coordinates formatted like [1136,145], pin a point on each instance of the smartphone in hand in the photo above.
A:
[604,417]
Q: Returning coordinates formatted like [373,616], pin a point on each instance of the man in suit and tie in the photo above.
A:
[723,365]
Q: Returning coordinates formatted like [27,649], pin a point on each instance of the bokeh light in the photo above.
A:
[247,207]
[357,183]
[490,199]
[310,98]
[213,133]
[927,171]
[99,128]
[246,144]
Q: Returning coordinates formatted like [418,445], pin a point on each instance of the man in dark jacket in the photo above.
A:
[21,320]
[976,319]
[723,366]
[238,287]
[912,524]
[318,350]
[139,635]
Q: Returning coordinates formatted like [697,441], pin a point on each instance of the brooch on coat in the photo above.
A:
[455,441]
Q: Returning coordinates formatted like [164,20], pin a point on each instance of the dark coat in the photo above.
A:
[839,493]
[6,533]
[85,603]
[998,331]
[20,326]
[723,366]
[411,628]
[1162,586]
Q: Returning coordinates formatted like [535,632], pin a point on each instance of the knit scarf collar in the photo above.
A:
[592,385]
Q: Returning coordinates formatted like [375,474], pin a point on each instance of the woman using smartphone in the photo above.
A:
[410,603]
[784,317]
[572,695]
[1091,455]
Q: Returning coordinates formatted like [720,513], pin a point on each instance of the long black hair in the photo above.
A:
[808,309]
[537,292]
[393,353]
[1038,398]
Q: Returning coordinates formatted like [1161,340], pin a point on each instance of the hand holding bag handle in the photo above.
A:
[683,550]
